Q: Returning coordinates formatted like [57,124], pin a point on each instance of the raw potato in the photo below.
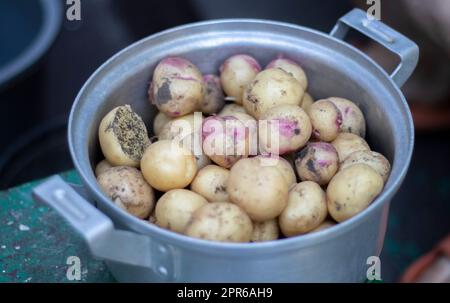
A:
[375,160]
[101,167]
[259,188]
[235,73]
[211,183]
[284,168]
[306,209]
[177,88]
[214,100]
[347,143]
[123,137]
[225,140]
[160,120]
[326,120]
[352,190]
[127,189]
[292,67]
[352,117]
[324,225]
[166,165]
[220,221]
[265,231]
[318,162]
[232,108]
[283,129]
[175,208]
[307,101]
[270,88]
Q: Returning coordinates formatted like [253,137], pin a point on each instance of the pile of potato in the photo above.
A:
[265,161]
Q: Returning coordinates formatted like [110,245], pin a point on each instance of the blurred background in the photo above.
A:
[45,59]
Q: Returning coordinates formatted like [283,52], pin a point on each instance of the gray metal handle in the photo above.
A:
[97,229]
[406,49]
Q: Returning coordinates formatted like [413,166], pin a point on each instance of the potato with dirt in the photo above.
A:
[127,189]
[291,67]
[375,160]
[220,221]
[352,117]
[306,209]
[177,88]
[211,183]
[265,231]
[347,143]
[123,137]
[318,162]
[214,100]
[352,190]
[175,208]
[166,165]
[326,120]
[258,187]
[235,73]
[283,129]
[270,88]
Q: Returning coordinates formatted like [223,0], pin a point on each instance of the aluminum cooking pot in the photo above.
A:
[135,250]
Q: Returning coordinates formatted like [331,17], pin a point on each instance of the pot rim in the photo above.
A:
[255,247]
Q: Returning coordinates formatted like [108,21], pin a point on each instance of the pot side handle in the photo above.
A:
[104,241]
[406,49]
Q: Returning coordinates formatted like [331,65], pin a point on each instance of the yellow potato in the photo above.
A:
[158,123]
[211,183]
[231,108]
[375,160]
[265,231]
[101,167]
[307,101]
[326,120]
[324,225]
[352,117]
[214,99]
[347,143]
[292,67]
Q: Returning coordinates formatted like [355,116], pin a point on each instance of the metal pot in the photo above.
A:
[135,250]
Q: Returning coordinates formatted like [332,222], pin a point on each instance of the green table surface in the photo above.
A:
[35,242]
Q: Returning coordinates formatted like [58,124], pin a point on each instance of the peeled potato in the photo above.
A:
[265,231]
[127,189]
[123,137]
[211,183]
[166,165]
[375,160]
[220,221]
[347,143]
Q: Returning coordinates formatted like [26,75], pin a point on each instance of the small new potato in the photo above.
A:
[167,165]
[292,67]
[214,100]
[375,160]
[258,188]
[230,109]
[283,129]
[175,208]
[177,88]
[270,88]
[306,209]
[347,143]
[324,225]
[326,120]
[352,117]
[211,183]
[318,162]
[127,189]
[123,137]
[284,167]
[160,120]
[235,73]
[265,231]
[220,221]
[352,190]
[307,101]
[101,167]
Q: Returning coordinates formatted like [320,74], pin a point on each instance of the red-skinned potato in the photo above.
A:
[352,117]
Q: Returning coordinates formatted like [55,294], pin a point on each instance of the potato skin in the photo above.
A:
[265,231]
[166,165]
[101,167]
[235,73]
[283,166]
[307,101]
[352,117]
[214,100]
[318,162]
[177,87]
[220,221]
[291,67]
[127,189]
[211,183]
[326,120]
[160,120]
[175,208]
[123,137]
[260,190]
[306,209]
[270,88]
[324,225]
[375,160]
[289,124]
[347,143]
[352,190]
[231,108]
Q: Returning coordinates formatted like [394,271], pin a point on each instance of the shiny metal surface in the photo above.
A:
[334,68]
